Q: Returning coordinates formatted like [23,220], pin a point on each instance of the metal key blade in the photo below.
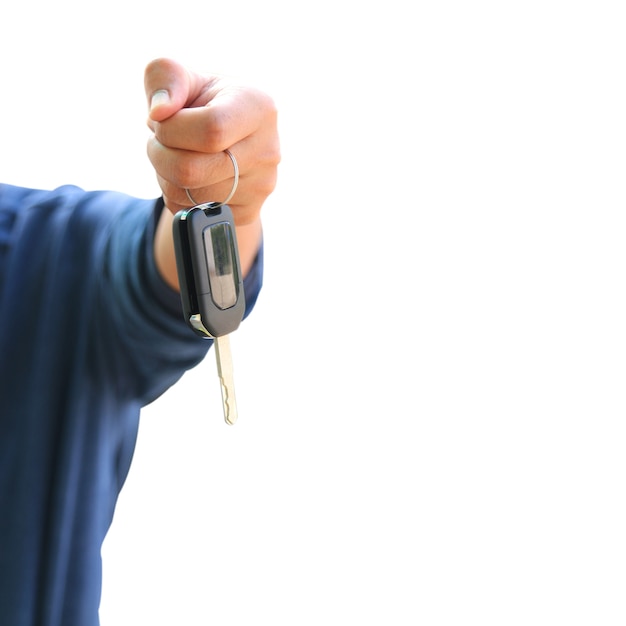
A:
[225,372]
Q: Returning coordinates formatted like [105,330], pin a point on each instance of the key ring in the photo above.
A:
[215,205]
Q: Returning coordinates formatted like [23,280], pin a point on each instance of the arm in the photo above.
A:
[194,118]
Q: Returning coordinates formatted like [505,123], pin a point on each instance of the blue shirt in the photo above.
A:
[89,334]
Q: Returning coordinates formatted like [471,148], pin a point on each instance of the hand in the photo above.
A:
[194,118]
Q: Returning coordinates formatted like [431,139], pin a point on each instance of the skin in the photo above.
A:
[194,118]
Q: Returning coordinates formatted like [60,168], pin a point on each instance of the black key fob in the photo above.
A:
[207,260]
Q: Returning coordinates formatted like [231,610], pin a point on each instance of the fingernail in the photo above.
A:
[159,97]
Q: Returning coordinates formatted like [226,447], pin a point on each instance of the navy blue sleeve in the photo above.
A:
[82,265]
[140,342]
[153,343]
[89,333]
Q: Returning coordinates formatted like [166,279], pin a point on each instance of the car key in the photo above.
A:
[211,284]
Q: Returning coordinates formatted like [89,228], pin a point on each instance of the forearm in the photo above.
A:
[248,240]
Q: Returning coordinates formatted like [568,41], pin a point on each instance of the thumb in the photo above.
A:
[167,85]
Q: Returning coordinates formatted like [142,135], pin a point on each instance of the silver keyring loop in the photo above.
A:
[232,191]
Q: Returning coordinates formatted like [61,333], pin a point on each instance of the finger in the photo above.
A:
[231,115]
[247,196]
[185,168]
[169,87]
[176,198]
[245,203]
[250,193]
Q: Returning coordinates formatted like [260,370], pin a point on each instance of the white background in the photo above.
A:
[431,388]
